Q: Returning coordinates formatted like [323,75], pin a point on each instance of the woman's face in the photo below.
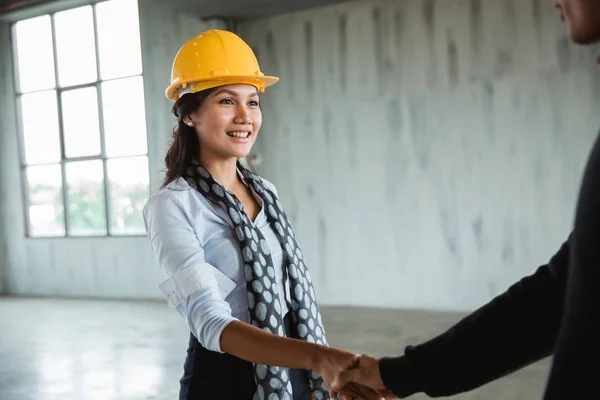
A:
[227,122]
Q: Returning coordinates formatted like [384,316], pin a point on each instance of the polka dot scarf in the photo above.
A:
[273,383]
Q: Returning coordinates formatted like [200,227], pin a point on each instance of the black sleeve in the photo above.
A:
[576,365]
[513,330]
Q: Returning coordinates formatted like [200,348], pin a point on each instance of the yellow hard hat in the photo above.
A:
[215,58]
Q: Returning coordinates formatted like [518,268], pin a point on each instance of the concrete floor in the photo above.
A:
[107,350]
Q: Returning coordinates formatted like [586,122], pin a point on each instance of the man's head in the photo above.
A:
[582,18]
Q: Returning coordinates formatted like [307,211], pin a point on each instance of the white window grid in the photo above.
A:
[64,159]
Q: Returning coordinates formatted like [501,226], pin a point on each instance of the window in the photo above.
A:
[80,97]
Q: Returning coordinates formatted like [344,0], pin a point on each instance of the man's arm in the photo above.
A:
[513,330]
[575,369]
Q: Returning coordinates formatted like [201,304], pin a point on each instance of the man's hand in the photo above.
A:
[364,373]
[331,363]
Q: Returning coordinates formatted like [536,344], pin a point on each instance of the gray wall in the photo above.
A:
[433,150]
[97,267]
[429,152]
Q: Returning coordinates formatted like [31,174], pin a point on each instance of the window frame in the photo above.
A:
[64,160]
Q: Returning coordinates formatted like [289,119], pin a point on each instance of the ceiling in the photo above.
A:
[246,9]
[230,9]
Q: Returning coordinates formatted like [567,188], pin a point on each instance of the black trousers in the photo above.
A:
[211,375]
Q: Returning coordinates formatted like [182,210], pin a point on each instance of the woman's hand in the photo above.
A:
[365,372]
[331,363]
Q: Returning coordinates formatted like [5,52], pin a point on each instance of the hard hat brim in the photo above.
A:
[195,86]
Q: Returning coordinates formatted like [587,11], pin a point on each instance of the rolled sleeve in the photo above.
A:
[207,317]
[195,288]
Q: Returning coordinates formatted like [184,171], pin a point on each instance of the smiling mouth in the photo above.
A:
[239,135]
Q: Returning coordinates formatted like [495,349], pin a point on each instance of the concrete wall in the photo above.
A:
[428,151]
[97,267]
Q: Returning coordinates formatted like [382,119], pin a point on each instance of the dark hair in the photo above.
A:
[184,141]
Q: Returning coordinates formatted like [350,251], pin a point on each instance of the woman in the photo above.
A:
[234,270]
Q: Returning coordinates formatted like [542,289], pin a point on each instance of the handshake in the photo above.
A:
[352,377]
